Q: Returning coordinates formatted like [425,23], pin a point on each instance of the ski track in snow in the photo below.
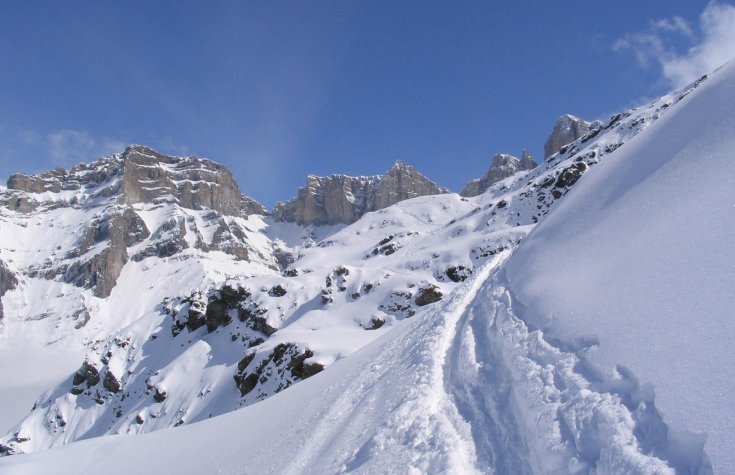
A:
[534,410]
[422,430]
[472,359]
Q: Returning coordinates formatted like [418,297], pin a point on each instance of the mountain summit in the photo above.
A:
[503,166]
[566,130]
[342,199]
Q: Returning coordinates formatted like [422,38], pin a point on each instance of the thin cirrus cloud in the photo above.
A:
[64,147]
[710,45]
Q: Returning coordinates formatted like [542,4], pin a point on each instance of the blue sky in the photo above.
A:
[278,90]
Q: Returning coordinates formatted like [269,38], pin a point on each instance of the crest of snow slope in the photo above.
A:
[638,265]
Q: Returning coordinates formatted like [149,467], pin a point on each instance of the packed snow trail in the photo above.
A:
[419,429]
[382,410]
[402,405]
[532,408]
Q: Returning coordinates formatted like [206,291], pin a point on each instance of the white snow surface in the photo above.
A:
[638,265]
[592,347]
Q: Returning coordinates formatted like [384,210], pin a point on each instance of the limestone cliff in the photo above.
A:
[7,282]
[207,213]
[502,166]
[566,130]
[138,175]
[344,199]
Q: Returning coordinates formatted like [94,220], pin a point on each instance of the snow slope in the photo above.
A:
[464,389]
[638,266]
[490,378]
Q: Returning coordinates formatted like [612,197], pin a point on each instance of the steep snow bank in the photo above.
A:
[637,264]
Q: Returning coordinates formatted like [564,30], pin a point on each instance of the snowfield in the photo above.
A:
[636,268]
[598,341]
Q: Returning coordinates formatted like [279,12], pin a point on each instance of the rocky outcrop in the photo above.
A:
[196,183]
[8,282]
[502,167]
[566,130]
[287,363]
[116,232]
[340,199]
[139,175]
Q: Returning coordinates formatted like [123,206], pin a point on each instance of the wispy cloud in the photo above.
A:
[71,146]
[31,151]
[708,46]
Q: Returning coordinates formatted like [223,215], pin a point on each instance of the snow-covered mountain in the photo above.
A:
[342,199]
[427,336]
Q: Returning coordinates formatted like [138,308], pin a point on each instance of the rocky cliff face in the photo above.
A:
[502,167]
[344,199]
[566,130]
[110,194]
[142,175]
[195,182]
[7,282]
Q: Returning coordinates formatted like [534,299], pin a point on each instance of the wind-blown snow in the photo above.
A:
[638,264]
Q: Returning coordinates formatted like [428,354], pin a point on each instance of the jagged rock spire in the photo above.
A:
[567,129]
[503,165]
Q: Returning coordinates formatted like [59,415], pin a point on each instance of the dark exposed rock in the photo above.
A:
[168,240]
[89,373]
[121,229]
[570,175]
[342,199]
[277,291]
[284,259]
[245,362]
[230,239]
[427,295]
[216,315]
[111,383]
[100,272]
[232,296]
[18,201]
[48,181]
[302,370]
[399,304]
[375,323]
[5,450]
[285,357]
[196,316]
[8,281]
[78,378]
[260,324]
[246,382]
[160,395]
[458,273]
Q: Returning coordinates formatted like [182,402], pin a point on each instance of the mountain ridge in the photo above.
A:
[298,301]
